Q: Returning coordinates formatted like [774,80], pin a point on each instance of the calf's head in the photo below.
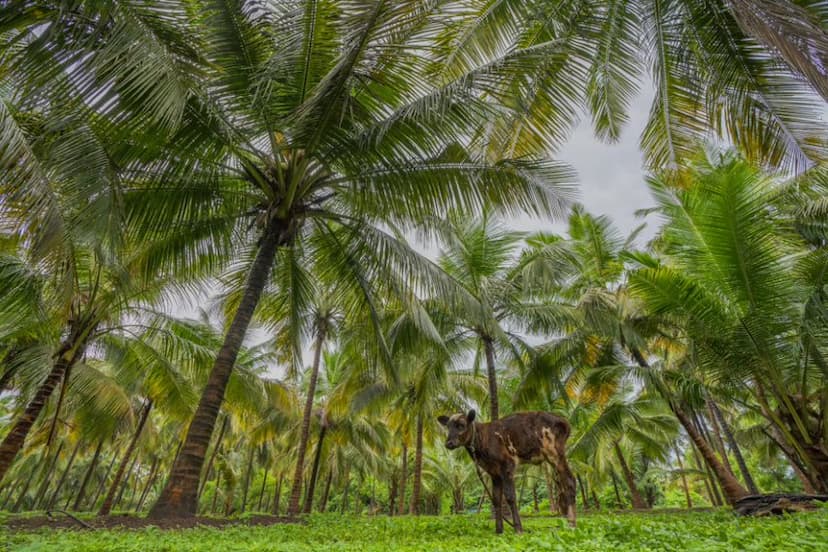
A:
[460,429]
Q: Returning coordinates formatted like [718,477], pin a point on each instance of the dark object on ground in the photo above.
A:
[136,522]
[500,446]
[776,504]
[70,516]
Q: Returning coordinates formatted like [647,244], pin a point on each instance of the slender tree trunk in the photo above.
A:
[277,495]
[216,449]
[719,441]
[248,476]
[216,492]
[403,478]
[317,457]
[62,479]
[595,499]
[731,487]
[150,481]
[108,502]
[87,476]
[125,482]
[179,498]
[734,448]
[10,488]
[262,490]
[618,502]
[684,479]
[488,345]
[637,501]
[327,490]
[418,469]
[229,496]
[583,492]
[102,483]
[296,489]
[535,498]
[14,440]
[47,477]
[706,478]
[393,484]
[19,502]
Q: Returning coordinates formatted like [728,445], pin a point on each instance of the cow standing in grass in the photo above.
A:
[498,447]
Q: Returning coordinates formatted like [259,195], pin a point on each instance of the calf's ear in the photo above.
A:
[443,420]
[470,416]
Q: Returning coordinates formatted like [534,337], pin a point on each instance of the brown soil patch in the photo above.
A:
[125,521]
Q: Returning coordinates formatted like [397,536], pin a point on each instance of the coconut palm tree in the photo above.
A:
[332,149]
[713,65]
[734,276]
[482,256]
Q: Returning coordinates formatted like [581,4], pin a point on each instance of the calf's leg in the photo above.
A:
[511,499]
[497,501]
[566,487]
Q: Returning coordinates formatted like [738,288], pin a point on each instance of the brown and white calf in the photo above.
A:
[499,447]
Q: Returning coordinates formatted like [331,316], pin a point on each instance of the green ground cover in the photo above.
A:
[667,531]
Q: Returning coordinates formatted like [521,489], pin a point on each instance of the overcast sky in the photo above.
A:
[610,176]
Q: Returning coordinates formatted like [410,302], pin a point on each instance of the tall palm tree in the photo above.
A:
[280,119]
[482,256]
[734,277]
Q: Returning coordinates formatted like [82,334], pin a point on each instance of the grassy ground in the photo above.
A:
[668,531]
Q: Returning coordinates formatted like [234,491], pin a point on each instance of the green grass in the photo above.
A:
[719,530]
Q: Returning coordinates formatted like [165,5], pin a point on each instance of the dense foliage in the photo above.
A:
[282,165]
[690,531]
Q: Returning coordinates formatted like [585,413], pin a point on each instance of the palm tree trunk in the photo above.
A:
[179,498]
[62,479]
[618,502]
[731,487]
[103,481]
[583,491]
[719,441]
[277,495]
[637,501]
[535,503]
[262,490]
[488,345]
[47,476]
[150,481]
[19,502]
[706,477]
[326,492]
[418,469]
[734,448]
[715,441]
[247,478]
[216,492]
[315,471]
[216,448]
[403,478]
[393,487]
[296,489]
[12,487]
[14,440]
[108,502]
[87,476]
[684,479]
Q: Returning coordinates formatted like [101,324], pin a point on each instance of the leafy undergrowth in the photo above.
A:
[715,530]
